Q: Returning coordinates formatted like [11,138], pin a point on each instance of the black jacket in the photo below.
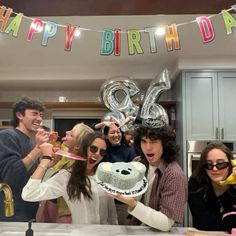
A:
[207,209]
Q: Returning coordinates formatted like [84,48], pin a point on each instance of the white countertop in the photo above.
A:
[49,229]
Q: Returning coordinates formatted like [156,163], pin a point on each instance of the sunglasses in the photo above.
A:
[94,149]
[219,166]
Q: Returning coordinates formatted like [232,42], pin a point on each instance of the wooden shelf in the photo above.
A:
[6,104]
[167,103]
[53,105]
[5,127]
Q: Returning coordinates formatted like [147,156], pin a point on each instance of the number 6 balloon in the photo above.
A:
[153,114]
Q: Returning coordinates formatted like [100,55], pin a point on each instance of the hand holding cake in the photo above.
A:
[125,178]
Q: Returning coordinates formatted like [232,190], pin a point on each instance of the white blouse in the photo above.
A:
[100,210]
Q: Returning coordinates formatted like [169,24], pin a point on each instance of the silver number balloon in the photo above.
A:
[117,117]
[152,113]
[116,94]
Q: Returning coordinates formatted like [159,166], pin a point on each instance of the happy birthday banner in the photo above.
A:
[110,43]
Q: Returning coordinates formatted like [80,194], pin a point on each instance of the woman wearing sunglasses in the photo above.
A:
[213,206]
[88,203]
[117,151]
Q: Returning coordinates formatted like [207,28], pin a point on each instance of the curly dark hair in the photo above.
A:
[79,182]
[24,104]
[200,174]
[165,134]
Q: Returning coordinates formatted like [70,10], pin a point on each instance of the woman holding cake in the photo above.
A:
[117,151]
[87,202]
[213,204]
[163,203]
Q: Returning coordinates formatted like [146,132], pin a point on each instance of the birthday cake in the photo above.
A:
[121,175]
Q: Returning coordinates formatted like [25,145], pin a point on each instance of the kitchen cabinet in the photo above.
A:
[210,99]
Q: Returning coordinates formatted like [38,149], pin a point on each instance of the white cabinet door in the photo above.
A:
[201,106]
[227,105]
[210,110]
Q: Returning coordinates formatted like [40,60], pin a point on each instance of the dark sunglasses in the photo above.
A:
[94,149]
[219,166]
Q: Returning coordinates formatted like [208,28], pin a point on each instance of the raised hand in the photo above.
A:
[41,137]
[232,178]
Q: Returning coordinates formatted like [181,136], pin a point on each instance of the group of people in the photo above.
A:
[26,154]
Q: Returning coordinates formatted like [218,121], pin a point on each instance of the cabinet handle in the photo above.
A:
[222,133]
[217,133]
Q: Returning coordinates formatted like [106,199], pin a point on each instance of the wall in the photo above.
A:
[53,95]
[49,95]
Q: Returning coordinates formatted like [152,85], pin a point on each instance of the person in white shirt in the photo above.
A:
[56,210]
[87,202]
[162,205]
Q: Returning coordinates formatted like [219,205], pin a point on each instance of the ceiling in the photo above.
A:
[27,65]
[114,7]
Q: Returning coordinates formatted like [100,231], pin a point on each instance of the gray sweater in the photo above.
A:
[15,145]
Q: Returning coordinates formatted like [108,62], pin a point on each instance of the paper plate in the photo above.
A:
[137,190]
[69,155]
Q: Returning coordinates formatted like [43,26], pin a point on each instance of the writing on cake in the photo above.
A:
[121,175]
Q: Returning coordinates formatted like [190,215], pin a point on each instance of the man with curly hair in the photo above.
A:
[163,203]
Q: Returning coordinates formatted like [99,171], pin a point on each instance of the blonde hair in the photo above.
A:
[80,130]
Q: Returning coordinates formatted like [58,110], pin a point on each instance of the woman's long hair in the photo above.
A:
[79,182]
[200,174]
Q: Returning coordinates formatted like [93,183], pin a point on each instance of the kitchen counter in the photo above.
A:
[48,229]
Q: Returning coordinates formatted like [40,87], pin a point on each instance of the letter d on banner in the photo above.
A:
[206,28]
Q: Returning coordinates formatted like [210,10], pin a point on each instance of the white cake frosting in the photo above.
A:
[121,175]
